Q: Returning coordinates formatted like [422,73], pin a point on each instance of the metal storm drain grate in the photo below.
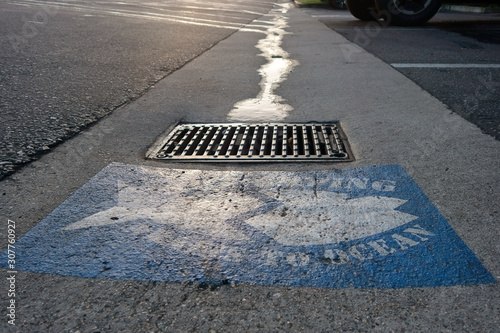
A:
[253,143]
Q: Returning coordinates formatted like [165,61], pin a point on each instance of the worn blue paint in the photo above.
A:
[433,254]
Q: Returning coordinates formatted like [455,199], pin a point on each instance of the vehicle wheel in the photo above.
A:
[337,4]
[408,12]
[362,9]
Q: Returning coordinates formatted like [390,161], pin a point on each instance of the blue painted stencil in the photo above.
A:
[366,228]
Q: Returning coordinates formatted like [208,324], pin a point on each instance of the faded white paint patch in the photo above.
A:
[327,218]
[303,216]
[268,106]
[206,213]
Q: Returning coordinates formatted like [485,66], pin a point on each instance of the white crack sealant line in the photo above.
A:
[268,106]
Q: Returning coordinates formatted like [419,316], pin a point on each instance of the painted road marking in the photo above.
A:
[144,13]
[366,228]
[315,220]
[333,16]
[445,65]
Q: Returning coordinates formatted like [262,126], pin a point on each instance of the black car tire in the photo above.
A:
[337,4]
[407,12]
[362,9]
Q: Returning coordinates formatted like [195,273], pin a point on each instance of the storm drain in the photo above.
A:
[253,143]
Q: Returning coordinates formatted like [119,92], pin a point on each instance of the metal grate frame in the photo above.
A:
[253,143]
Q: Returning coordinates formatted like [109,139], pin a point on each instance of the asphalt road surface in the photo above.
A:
[65,64]
[455,57]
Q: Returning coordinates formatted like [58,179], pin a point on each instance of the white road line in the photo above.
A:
[146,15]
[391,29]
[395,65]
[333,16]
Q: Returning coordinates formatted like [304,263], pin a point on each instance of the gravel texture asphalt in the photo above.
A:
[64,66]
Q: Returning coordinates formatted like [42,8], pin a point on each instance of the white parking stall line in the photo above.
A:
[397,65]
[146,15]
[332,16]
